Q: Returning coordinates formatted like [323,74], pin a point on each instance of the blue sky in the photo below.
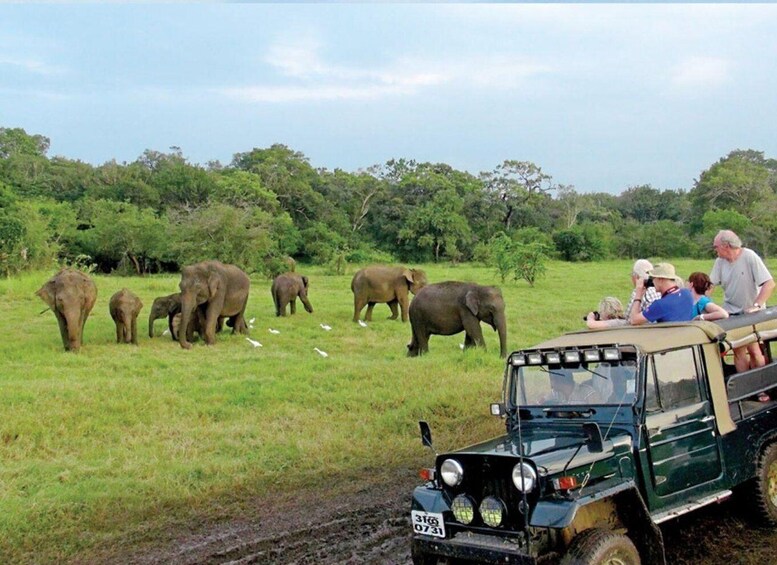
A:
[601,96]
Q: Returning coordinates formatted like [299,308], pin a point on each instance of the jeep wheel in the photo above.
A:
[765,486]
[601,547]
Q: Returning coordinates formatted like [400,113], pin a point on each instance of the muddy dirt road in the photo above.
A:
[368,523]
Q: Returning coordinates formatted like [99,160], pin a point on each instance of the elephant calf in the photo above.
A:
[383,283]
[71,296]
[165,306]
[286,288]
[124,307]
[448,308]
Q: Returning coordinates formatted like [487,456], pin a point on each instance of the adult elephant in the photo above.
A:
[448,308]
[286,288]
[219,289]
[71,296]
[383,283]
[124,307]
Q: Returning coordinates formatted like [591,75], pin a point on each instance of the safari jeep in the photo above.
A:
[608,434]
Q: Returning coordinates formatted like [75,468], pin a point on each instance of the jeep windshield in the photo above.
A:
[596,376]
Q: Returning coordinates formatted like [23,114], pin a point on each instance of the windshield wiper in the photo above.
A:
[558,412]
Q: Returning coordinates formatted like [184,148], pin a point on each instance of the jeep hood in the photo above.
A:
[550,449]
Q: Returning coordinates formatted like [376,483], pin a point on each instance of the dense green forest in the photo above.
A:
[161,211]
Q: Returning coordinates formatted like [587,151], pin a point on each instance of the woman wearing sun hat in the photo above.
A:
[675,304]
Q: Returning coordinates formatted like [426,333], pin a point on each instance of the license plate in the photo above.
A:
[428,523]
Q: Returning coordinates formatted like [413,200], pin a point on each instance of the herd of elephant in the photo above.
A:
[212,292]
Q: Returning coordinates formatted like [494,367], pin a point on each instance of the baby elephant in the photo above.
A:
[448,308]
[285,290]
[125,307]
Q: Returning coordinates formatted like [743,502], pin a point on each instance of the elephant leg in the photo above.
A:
[419,344]
[118,332]
[358,304]
[474,332]
[239,325]
[468,341]
[219,324]
[62,322]
[134,331]
[404,306]
[293,306]
[394,310]
[368,315]
[170,326]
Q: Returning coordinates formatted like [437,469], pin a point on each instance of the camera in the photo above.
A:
[649,282]
[597,317]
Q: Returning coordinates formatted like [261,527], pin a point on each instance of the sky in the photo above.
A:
[601,96]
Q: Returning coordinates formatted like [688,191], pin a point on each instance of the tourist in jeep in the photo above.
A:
[675,304]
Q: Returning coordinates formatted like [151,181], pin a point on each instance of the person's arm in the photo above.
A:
[765,292]
[635,315]
[712,312]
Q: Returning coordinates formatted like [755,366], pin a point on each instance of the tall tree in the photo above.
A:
[517,184]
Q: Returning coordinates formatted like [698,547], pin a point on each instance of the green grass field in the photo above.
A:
[119,443]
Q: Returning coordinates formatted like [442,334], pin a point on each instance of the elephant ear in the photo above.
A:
[47,296]
[305,281]
[408,274]
[213,285]
[472,302]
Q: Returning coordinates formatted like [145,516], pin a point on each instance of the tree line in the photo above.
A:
[162,211]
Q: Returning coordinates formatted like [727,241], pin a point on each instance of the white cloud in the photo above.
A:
[31,66]
[700,72]
[312,78]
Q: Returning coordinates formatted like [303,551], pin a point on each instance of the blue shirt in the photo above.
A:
[675,306]
[701,304]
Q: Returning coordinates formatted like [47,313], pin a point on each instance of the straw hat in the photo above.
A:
[665,271]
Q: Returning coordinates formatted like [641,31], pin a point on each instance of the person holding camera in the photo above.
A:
[609,314]
[675,304]
[638,272]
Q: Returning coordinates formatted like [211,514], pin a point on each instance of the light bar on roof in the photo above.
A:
[591,355]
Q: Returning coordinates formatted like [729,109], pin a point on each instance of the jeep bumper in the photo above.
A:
[478,548]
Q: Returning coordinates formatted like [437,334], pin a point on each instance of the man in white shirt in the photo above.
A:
[747,285]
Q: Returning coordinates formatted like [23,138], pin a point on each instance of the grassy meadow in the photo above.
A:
[111,447]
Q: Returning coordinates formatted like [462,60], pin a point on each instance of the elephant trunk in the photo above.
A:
[188,306]
[501,328]
[74,327]
[151,319]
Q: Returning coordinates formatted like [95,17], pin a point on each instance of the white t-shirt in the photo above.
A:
[740,279]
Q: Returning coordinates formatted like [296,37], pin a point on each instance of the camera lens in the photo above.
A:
[649,282]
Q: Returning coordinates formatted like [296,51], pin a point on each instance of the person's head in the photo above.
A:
[727,244]
[562,383]
[640,270]
[699,282]
[664,277]
[610,308]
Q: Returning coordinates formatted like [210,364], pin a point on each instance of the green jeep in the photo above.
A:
[608,434]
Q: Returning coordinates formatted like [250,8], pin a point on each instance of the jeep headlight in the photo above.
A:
[524,477]
[463,509]
[452,472]
[492,510]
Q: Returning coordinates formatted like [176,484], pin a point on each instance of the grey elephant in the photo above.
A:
[219,290]
[124,307]
[383,283]
[71,296]
[168,306]
[286,288]
[447,308]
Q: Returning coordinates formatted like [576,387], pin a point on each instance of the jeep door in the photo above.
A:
[682,445]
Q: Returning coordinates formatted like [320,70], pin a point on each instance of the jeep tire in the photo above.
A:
[765,486]
[601,547]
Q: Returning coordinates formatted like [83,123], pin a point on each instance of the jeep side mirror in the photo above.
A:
[498,409]
[426,434]
[593,437]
